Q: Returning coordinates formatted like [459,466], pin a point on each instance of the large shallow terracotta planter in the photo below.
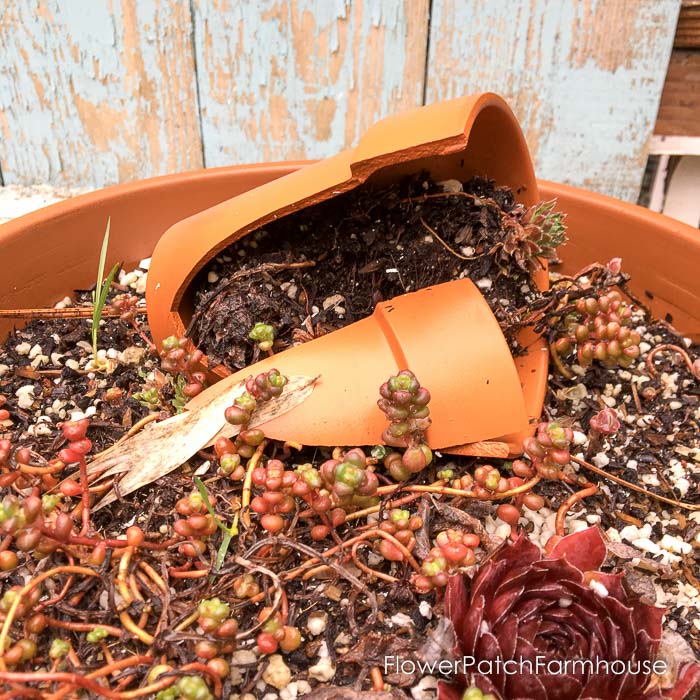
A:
[51,252]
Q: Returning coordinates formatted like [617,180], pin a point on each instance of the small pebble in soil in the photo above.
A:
[316,623]
[277,673]
[324,670]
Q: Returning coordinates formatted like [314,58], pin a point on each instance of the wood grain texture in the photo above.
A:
[688,29]
[679,110]
[303,78]
[583,77]
[94,92]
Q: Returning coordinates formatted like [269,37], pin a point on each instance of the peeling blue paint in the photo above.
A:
[94,92]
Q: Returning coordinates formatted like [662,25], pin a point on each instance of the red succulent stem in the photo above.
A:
[674,348]
[114,543]
[85,497]
[137,327]
[589,490]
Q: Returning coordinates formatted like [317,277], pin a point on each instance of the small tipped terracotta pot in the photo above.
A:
[357,359]
[475,135]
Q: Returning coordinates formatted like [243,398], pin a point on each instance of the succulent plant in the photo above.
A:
[196,524]
[528,234]
[263,387]
[605,422]
[599,330]
[349,481]
[549,227]
[402,525]
[275,634]
[523,606]
[126,305]
[453,549]
[264,335]
[215,618]
[245,586]
[276,498]
[176,359]
[186,688]
[405,403]
[549,449]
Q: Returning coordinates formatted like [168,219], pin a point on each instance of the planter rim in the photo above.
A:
[86,200]
[629,209]
[679,238]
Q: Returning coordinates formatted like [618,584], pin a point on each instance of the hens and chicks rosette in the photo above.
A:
[551,610]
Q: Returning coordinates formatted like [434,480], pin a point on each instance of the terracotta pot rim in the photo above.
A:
[673,280]
[86,200]
[671,226]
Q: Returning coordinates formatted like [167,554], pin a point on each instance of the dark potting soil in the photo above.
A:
[328,265]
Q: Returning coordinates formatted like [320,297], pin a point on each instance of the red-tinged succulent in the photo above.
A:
[402,525]
[549,449]
[276,634]
[453,549]
[599,330]
[605,422]
[553,626]
[349,482]
[276,499]
[175,359]
[405,403]
[263,387]
[126,305]
[196,524]
[4,413]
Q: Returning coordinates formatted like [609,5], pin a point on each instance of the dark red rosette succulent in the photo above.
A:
[553,610]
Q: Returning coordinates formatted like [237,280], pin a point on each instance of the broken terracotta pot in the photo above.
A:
[499,399]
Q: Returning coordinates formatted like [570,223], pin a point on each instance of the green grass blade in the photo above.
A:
[103,259]
[97,308]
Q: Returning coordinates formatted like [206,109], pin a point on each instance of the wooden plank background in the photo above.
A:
[299,79]
[583,77]
[94,92]
[679,110]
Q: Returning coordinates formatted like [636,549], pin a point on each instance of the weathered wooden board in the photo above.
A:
[303,78]
[95,92]
[679,110]
[583,76]
[688,29]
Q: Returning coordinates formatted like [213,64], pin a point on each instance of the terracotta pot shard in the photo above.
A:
[483,402]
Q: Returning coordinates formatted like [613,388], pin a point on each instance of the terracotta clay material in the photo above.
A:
[51,252]
[47,254]
[475,135]
[354,361]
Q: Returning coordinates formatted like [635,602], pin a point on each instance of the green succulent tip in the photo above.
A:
[96,635]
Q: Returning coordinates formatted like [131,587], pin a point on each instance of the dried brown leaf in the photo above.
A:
[162,447]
